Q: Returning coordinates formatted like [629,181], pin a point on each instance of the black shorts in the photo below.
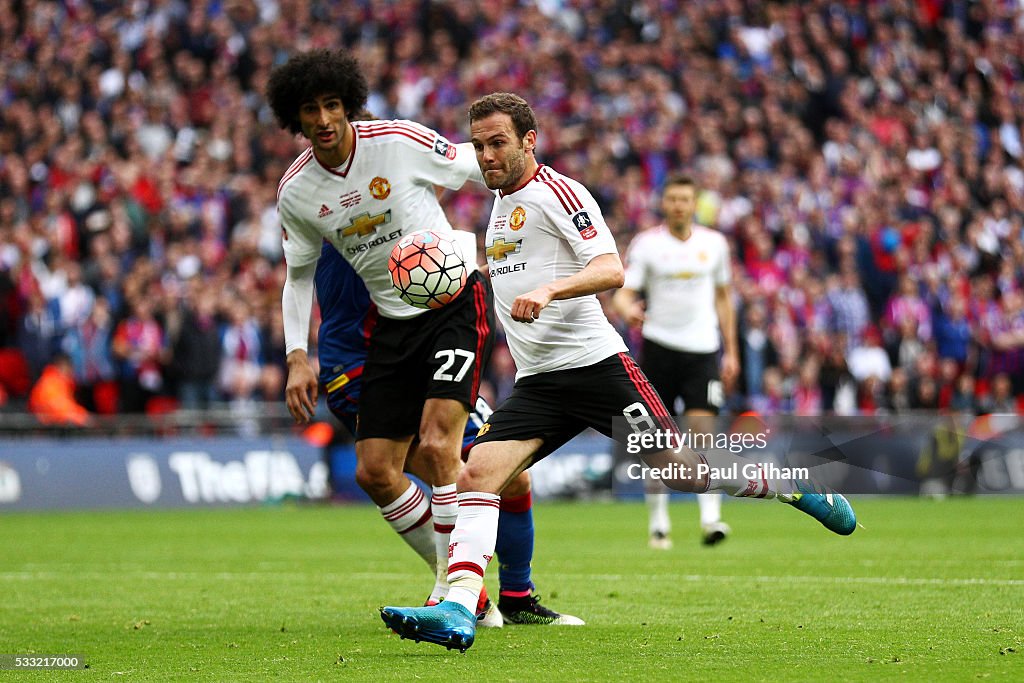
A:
[438,354]
[694,377]
[556,406]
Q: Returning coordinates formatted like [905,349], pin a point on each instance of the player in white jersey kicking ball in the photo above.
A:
[549,252]
[362,186]
[683,271]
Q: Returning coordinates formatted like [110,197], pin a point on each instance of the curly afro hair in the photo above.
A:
[312,74]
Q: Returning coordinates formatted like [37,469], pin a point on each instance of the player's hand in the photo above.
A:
[635,315]
[527,307]
[301,392]
[730,369]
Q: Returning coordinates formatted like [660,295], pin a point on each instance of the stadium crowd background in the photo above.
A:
[863,158]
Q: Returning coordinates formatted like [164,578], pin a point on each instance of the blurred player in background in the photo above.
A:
[549,252]
[347,317]
[361,186]
[683,271]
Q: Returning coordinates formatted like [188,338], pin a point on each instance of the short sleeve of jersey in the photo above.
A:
[722,272]
[301,245]
[574,213]
[636,266]
[444,163]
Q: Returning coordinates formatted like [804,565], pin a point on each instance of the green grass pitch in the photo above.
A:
[926,591]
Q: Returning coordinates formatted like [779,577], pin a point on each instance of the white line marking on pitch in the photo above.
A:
[371,576]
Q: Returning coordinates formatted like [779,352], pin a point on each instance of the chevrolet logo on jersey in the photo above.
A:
[500,249]
[365,224]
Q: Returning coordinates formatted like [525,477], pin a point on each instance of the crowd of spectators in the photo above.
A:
[864,160]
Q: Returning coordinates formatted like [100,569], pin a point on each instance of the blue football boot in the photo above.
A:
[448,624]
[830,508]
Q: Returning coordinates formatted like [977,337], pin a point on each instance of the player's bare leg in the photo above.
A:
[379,472]
[379,465]
[442,427]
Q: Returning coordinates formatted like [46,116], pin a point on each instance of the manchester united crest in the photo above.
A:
[518,217]
[380,188]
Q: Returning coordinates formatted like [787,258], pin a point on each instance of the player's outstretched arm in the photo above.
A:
[602,273]
[296,305]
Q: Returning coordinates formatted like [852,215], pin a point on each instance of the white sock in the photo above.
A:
[445,507]
[657,513]
[472,547]
[727,475]
[409,515]
[710,508]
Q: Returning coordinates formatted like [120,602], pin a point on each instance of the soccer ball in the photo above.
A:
[427,269]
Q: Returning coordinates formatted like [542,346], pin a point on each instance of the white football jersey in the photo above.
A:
[679,279]
[385,190]
[548,229]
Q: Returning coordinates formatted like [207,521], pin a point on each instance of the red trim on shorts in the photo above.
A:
[466,566]
[647,392]
[517,504]
[443,528]
[420,522]
[482,330]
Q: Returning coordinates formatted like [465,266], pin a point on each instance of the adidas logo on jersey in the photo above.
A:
[324,211]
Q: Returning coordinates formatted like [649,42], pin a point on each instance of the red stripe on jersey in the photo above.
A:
[374,126]
[559,195]
[406,507]
[427,516]
[571,199]
[482,330]
[574,201]
[546,179]
[299,162]
[564,194]
[294,169]
[467,567]
[408,132]
[647,392]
